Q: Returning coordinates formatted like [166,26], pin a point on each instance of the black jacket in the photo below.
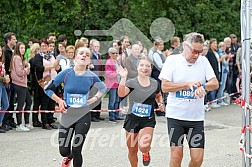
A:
[38,68]
[234,48]
[32,74]
[7,55]
[214,63]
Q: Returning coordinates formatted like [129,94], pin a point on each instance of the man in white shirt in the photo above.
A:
[186,76]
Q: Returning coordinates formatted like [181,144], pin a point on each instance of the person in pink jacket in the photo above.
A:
[112,78]
[20,69]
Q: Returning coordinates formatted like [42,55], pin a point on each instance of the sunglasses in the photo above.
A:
[194,52]
[114,53]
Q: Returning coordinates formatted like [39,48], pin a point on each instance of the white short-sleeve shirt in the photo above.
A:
[64,63]
[176,69]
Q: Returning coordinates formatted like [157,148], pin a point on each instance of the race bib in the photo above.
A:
[141,110]
[76,100]
[186,95]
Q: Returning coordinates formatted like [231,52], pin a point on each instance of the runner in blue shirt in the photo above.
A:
[77,83]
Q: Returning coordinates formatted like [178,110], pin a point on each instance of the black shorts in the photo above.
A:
[193,130]
[134,125]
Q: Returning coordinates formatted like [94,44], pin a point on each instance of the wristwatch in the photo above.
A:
[204,86]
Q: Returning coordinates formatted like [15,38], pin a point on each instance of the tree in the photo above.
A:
[36,18]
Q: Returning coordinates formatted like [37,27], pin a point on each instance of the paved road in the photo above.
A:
[105,144]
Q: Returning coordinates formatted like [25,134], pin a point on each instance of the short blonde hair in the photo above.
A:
[92,41]
[227,39]
[70,47]
[221,44]
[34,49]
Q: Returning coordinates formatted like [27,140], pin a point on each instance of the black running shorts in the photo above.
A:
[192,130]
[134,125]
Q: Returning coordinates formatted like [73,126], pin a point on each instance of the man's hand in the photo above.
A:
[193,84]
[200,92]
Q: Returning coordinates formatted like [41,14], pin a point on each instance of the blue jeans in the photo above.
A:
[212,95]
[222,86]
[8,117]
[113,103]
[4,102]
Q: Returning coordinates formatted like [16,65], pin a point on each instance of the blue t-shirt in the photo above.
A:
[76,87]
[77,84]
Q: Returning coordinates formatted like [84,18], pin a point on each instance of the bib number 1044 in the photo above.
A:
[75,100]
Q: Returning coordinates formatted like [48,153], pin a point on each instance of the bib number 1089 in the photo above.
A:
[186,93]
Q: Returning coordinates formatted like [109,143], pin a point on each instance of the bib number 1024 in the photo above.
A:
[142,110]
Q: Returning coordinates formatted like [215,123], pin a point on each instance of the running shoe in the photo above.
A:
[223,104]
[113,121]
[66,162]
[146,159]
[22,128]
[29,126]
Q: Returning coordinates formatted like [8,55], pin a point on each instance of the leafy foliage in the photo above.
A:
[36,18]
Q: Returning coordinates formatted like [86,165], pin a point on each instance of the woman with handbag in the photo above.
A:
[20,69]
[44,68]
[36,101]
